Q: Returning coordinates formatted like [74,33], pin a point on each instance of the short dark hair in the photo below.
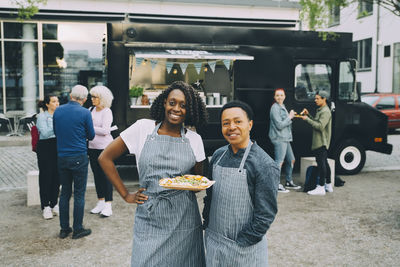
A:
[196,113]
[46,100]
[239,104]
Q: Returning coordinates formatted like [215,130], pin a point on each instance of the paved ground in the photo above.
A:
[357,225]
[16,161]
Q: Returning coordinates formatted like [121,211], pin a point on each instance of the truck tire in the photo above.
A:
[349,157]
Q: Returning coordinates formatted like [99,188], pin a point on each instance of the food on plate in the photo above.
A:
[186,182]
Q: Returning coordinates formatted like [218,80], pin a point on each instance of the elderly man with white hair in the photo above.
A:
[73,126]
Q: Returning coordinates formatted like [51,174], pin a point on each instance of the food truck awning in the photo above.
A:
[189,54]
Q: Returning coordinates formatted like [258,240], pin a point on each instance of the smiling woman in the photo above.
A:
[167,222]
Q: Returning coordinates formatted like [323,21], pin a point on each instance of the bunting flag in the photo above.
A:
[183,67]
[153,63]
[227,63]
[139,61]
[169,66]
[197,65]
[212,65]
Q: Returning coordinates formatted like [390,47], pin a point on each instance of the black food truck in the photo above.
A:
[225,62]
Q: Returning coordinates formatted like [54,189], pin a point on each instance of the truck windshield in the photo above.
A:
[310,78]
[346,82]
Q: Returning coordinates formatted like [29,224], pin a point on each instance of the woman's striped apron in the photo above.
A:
[167,229]
[231,209]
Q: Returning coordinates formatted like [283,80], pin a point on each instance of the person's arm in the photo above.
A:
[44,129]
[106,160]
[276,118]
[107,119]
[207,199]
[265,205]
[89,126]
[198,168]
[321,123]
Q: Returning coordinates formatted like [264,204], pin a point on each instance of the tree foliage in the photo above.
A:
[27,8]
[317,12]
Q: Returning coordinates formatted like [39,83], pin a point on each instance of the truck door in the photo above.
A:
[309,78]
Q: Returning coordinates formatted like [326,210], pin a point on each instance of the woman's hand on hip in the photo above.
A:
[137,197]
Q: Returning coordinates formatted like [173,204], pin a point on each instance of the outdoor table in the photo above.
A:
[16,115]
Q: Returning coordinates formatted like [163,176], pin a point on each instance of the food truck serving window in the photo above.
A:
[210,72]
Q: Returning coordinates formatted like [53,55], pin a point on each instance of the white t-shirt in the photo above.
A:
[135,136]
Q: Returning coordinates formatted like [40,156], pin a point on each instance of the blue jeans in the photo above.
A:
[72,170]
[284,154]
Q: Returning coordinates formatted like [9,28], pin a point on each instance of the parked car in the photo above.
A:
[388,104]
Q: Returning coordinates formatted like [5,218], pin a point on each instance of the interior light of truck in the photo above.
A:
[378,139]
[175,71]
[205,69]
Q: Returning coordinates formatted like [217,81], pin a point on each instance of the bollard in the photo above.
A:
[33,197]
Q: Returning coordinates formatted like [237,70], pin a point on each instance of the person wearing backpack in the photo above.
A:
[102,119]
[321,137]
[46,151]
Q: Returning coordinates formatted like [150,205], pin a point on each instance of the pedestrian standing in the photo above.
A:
[321,138]
[168,228]
[49,183]
[73,126]
[102,119]
[280,134]
[241,206]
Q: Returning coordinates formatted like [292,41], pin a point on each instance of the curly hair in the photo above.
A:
[104,94]
[196,113]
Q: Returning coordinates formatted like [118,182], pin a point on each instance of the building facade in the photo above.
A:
[65,43]
[376,43]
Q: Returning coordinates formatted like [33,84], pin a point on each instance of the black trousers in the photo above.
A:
[104,187]
[321,157]
[49,182]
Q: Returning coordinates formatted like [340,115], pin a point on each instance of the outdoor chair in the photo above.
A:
[5,120]
[24,121]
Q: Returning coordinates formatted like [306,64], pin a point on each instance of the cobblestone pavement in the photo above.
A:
[16,161]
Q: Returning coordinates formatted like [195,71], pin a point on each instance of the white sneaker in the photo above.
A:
[47,214]
[107,211]
[56,210]
[328,188]
[99,207]
[282,189]
[318,191]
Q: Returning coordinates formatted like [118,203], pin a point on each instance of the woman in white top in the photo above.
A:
[168,228]
[102,120]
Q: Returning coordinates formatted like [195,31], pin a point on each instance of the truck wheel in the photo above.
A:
[349,157]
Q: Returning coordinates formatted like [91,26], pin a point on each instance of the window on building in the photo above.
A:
[386,52]
[311,78]
[72,53]
[364,8]
[363,53]
[334,15]
[396,68]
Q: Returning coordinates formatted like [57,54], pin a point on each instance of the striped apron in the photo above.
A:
[167,229]
[231,209]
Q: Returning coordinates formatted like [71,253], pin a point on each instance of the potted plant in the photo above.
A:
[134,93]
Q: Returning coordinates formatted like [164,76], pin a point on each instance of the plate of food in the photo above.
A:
[186,182]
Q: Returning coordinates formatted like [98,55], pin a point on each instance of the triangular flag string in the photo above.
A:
[227,63]
[197,66]
[183,67]
[139,61]
[153,63]
[212,65]
[169,66]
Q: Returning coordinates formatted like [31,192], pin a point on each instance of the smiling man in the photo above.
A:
[240,207]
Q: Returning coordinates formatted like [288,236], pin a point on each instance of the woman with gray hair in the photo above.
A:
[102,120]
